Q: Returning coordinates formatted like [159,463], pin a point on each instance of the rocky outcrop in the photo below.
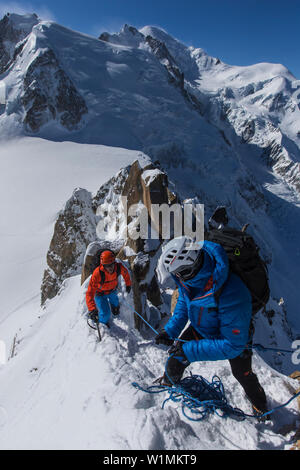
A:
[77,235]
[248,131]
[6,32]
[50,94]
[73,231]
[76,229]
[160,50]
[148,186]
[175,74]
[277,158]
[12,33]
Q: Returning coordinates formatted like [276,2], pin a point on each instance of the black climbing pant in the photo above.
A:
[241,368]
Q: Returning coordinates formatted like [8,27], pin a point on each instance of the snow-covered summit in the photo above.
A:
[22,23]
[128,36]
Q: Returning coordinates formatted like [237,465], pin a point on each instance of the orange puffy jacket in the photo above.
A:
[96,285]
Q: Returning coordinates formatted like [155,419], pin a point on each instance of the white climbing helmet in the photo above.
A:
[182,257]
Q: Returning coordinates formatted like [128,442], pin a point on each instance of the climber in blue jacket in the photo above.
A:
[218,306]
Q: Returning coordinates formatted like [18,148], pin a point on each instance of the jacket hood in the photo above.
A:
[210,278]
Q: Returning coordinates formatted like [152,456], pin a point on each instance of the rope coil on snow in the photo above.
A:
[200,397]
[203,398]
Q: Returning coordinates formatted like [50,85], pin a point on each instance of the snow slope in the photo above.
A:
[64,390]
[36,179]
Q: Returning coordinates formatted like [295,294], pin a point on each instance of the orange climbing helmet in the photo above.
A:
[107,257]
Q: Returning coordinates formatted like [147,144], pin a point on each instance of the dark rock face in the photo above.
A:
[161,52]
[275,157]
[275,102]
[72,234]
[10,36]
[249,131]
[104,37]
[6,31]
[50,94]
[175,75]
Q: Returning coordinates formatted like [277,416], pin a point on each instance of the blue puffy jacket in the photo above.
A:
[224,326]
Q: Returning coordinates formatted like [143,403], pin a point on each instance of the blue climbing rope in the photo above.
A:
[257,346]
[145,321]
[200,398]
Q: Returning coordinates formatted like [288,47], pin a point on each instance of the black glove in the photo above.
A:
[176,364]
[176,350]
[164,338]
[94,315]
[128,289]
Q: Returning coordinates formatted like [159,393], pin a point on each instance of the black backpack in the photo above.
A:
[245,261]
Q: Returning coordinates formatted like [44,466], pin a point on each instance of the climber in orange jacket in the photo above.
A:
[101,295]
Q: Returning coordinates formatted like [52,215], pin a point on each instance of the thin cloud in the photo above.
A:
[26,8]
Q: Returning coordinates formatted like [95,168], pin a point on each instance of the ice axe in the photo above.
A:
[95,328]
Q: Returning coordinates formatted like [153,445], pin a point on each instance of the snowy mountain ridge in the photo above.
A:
[77,110]
[258,104]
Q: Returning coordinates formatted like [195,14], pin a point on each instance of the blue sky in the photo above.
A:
[239,32]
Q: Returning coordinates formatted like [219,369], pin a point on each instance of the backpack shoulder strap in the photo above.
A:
[218,292]
[102,275]
[118,269]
